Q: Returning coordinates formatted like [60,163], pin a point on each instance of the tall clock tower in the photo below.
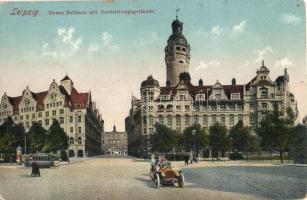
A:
[177,54]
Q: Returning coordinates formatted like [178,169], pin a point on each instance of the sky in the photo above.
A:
[111,54]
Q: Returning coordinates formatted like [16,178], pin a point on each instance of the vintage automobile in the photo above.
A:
[165,174]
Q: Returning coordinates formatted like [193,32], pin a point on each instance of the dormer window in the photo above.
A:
[235,95]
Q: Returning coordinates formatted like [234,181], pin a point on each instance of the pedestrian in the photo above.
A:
[186,159]
[191,158]
[35,169]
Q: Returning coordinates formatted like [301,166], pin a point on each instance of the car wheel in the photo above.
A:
[157,180]
[181,181]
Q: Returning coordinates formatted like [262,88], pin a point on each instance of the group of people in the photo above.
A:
[190,157]
[35,169]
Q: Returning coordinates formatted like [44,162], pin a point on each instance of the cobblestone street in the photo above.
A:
[126,178]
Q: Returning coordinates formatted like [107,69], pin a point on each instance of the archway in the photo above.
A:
[71,153]
[80,153]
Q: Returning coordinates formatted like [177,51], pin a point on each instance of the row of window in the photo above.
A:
[198,107]
[196,119]
[72,140]
[54,104]
[27,109]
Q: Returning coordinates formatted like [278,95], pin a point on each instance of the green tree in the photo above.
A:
[11,136]
[201,138]
[218,138]
[56,138]
[300,144]
[241,138]
[37,136]
[276,131]
[164,139]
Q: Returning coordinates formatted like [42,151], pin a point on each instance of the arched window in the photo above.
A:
[71,140]
[178,48]
[178,120]
[161,120]
[79,140]
[183,49]
[80,153]
[71,153]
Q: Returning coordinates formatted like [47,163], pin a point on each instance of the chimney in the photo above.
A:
[233,82]
[200,82]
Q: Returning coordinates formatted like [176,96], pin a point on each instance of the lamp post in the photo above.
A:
[194,133]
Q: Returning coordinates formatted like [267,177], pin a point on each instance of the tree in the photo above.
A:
[164,139]
[276,131]
[241,138]
[201,138]
[56,138]
[300,144]
[218,138]
[11,136]
[37,136]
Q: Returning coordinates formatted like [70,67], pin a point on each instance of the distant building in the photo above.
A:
[180,104]
[75,111]
[114,143]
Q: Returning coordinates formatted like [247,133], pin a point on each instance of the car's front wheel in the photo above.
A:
[181,181]
[157,180]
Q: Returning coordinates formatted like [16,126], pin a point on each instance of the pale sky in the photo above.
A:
[111,54]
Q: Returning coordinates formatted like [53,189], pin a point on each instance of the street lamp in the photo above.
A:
[194,133]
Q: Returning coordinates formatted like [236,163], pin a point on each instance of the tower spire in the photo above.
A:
[177,11]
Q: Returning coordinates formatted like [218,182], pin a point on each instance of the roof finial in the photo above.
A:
[262,63]
[177,11]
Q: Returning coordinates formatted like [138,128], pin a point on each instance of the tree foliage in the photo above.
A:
[218,138]
[164,139]
[37,136]
[201,138]
[300,144]
[56,138]
[241,138]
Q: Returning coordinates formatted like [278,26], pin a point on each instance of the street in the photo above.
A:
[128,178]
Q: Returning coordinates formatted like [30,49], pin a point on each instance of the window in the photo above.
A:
[178,108]
[235,95]
[252,106]
[223,120]
[218,96]
[71,140]
[54,112]
[181,97]
[79,129]
[264,106]
[46,122]
[196,119]
[61,111]
[161,120]
[40,114]
[40,122]
[21,117]
[33,115]
[231,120]
[61,120]
[150,108]
[223,107]
[205,119]
[213,119]
[178,120]
[71,129]
[27,124]
[251,119]
[47,113]
[145,131]
[79,140]
[240,117]
[264,93]
[71,119]
[169,120]
[187,120]
[151,120]
[79,118]
[187,108]
[214,108]
[144,120]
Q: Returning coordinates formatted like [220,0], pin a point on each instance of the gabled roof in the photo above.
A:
[65,78]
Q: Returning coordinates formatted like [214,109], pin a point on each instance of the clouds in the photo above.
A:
[152,39]
[67,35]
[240,28]
[261,53]
[289,18]
[206,64]
[284,62]
[216,30]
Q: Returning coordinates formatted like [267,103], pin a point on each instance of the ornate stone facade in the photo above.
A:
[114,143]
[181,104]
[75,111]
